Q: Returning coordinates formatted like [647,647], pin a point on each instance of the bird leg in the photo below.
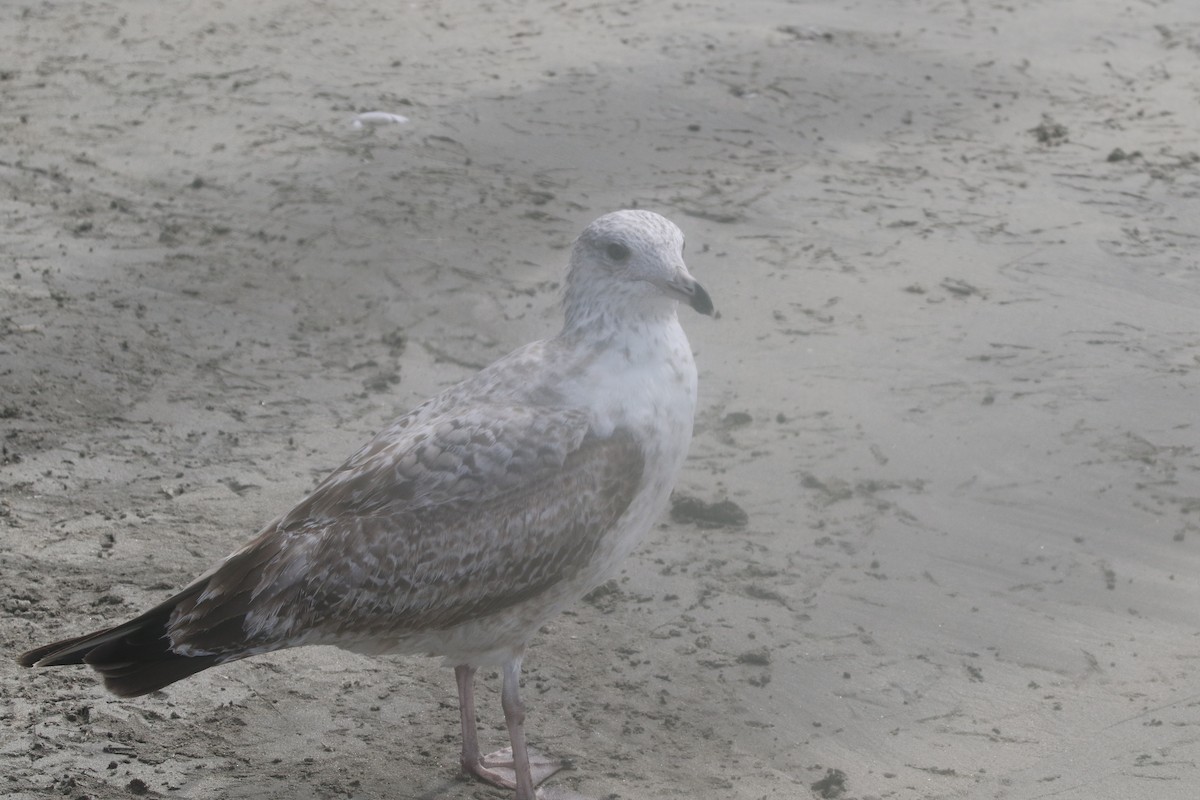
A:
[513,767]
[514,718]
[465,677]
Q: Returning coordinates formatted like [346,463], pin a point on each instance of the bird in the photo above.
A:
[466,524]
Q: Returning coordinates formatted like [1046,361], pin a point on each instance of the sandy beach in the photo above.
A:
[955,248]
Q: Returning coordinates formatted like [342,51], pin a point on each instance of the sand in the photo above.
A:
[953,386]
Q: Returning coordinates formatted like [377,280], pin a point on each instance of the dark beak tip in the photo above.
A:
[702,303]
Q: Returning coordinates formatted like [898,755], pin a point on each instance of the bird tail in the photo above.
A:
[134,658]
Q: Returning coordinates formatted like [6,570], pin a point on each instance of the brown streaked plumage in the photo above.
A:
[463,526]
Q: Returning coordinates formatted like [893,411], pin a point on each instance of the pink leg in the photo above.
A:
[465,677]
[511,768]
[514,718]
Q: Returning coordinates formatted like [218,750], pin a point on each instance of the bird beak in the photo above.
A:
[688,290]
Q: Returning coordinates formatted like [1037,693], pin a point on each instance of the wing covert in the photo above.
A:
[455,519]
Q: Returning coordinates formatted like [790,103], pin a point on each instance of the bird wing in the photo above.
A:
[433,523]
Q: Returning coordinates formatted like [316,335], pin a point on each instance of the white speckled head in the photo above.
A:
[630,263]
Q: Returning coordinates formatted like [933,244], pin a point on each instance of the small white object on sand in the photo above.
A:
[377,118]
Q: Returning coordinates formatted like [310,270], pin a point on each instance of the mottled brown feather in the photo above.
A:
[494,509]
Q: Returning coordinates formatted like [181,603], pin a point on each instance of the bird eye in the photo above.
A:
[616,252]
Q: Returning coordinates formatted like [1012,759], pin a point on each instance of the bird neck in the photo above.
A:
[599,313]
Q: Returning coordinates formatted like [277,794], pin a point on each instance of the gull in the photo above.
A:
[469,522]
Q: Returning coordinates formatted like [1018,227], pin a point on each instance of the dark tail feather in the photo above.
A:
[134,658]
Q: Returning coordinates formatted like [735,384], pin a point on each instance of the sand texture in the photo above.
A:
[953,388]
